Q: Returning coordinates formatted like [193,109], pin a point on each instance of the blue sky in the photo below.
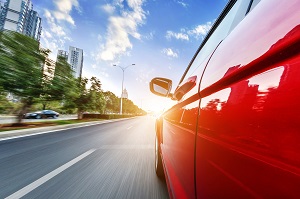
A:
[159,36]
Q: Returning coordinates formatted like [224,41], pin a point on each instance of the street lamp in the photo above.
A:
[123,69]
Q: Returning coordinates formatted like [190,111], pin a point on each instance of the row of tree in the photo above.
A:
[22,74]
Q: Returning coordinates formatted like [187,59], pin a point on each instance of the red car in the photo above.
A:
[235,131]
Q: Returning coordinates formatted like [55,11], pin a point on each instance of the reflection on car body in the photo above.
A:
[41,114]
[236,133]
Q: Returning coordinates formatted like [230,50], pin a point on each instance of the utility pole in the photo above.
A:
[123,69]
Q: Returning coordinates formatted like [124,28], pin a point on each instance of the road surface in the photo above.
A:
[113,160]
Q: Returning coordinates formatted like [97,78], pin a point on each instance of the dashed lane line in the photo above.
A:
[22,192]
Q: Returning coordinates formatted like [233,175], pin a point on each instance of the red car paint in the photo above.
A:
[236,133]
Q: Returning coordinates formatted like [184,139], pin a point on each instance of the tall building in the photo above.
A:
[19,16]
[63,53]
[75,59]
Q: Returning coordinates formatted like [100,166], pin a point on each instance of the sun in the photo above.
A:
[157,105]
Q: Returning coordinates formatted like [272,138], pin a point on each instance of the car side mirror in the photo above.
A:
[161,87]
[185,87]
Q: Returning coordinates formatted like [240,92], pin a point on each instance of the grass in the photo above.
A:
[75,121]
[26,125]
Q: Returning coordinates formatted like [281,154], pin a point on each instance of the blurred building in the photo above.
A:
[125,94]
[75,59]
[49,68]
[19,16]
[63,53]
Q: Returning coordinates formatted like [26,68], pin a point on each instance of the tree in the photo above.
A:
[112,102]
[113,105]
[82,101]
[62,84]
[86,99]
[130,108]
[5,105]
[21,68]
[97,96]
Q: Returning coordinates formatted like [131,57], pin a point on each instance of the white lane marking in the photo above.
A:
[127,146]
[129,127]
[25,190]
[51,131]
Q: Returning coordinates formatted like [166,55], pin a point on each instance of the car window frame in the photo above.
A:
[223,14]
[252,5]
[241,12]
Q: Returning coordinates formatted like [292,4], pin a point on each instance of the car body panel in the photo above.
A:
[235,134]
[178,139]
[248,132]
[178,148]
[179,129]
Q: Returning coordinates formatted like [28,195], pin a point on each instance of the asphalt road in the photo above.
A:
[11,119]
[113,160]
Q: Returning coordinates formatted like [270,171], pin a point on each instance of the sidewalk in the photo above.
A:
[6,116]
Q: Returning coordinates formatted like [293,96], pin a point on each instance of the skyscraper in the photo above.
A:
[75,59]
[19,16]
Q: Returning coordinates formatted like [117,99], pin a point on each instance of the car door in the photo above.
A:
[179,124]
[178,139]
[248,126]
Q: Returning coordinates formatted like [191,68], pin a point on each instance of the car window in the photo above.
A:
[253,4]
[227,24]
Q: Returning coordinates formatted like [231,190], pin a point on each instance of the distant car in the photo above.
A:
[41,114]
[234,131]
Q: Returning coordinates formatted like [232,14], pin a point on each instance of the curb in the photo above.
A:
[8,135]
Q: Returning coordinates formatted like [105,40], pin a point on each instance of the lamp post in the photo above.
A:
[123,69]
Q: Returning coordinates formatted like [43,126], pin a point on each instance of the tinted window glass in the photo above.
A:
[255,2]
[233,17]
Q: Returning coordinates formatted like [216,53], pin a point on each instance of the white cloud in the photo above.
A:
[64,7]
[54,27]
[200,30]
[120,28]
[108,8]
[149,36]
[144,75]
[181,36]
[53,36]
[47,34]
[182,3]
[63,16]
[169,52]
[104,74]
[99,37]
[55,32]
